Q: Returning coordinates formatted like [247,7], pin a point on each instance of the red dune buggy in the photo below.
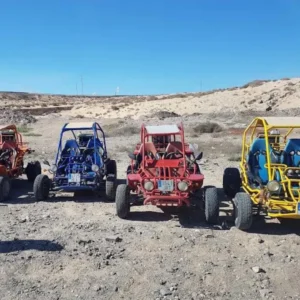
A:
[164,172]
[12,151]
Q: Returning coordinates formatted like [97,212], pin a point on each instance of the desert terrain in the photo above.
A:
[75,247]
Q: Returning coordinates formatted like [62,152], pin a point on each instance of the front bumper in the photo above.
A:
[167,200]
[283,209]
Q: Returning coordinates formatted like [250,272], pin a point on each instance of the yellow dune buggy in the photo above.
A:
[269,175]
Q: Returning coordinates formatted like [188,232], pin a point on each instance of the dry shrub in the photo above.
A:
[255,83]
[114,129]
[208,127]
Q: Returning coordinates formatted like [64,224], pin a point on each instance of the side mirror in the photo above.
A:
[46,162]
[132,156]
[199,156]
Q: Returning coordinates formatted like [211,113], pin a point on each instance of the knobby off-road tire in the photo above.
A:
[123,201]
[33,169]
[41,187]
[4,188]
[212,205]
[243,211]
[112,167]
[231,182]
[110,187]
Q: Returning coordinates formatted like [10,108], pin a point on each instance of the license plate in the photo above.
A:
[298,208]
[166,185]
[74,178]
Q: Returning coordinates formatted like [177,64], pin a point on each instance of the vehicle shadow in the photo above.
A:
[23,245]
[22,193]
[150,216]
[262,224]
[194,217]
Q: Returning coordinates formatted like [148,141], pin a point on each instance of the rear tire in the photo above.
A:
[231,182]
[112,167]
[110,187]
[32,170]
[41,187]
[5,185]
[123,201]
[243,211]
[212,205]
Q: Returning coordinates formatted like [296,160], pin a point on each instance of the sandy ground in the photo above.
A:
[77,248]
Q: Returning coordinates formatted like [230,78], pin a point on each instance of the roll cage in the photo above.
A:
[274,162]
[73,127]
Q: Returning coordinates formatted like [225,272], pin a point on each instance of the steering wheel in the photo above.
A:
[172,155]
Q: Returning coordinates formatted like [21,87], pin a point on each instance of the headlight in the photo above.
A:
[290,172]
[53,168]
[273,186]
[95,168]
[182,186]
[148,185]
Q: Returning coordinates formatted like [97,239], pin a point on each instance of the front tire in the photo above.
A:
[123,201]
[243,211]
[231,182]
[5,185]
[212,205]
[32,170]
[110,187]
[41,187]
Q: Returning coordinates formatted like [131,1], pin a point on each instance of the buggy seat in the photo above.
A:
[174,146]
[291,153]
[71,148]
[257,160]
[99,146]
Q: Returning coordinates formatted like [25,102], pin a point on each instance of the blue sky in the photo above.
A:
[145,47]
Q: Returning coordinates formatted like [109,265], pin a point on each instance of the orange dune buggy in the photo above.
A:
[12,151]
[164,172]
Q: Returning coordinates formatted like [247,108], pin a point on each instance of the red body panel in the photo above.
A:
[156,167]
[18,151]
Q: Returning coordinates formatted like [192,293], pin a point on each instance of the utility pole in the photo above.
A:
[81,85]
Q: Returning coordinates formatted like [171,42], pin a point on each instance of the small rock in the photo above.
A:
[108,255]
[97,288]
[207,236]
[258,270]
[163,282]
[84,242]
[194,296]
[264,293]
[116,289]
[24,219]
[164,292]
[114,239]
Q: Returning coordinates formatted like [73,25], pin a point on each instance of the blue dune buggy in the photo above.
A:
[81,163]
